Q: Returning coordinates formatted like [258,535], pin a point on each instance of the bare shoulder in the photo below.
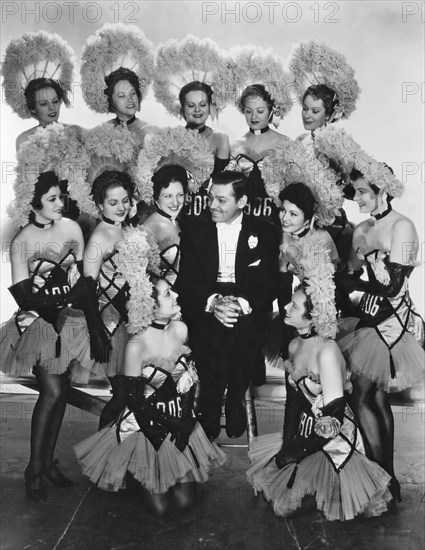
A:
[330,357]
[362,228]
[179,330]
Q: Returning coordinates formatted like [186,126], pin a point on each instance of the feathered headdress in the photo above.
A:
[35,55]
[178,62]
[289,162]
[55,147]
[339,147]
[253,65]
[173,146]
[114,46]
[316,63]
[318,272]
[137,255]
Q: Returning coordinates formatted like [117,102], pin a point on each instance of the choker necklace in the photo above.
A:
[382,214]
[43,225]
[259,132]
[162,213]
[308,335]
[111,222]
[303,233]
[125,122]
[159,326]
[200,130]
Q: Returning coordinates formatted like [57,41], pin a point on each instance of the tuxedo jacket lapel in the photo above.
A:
[210,245]
[242,249]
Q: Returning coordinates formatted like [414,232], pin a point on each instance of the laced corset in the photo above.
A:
[53,277]
[170,257]
[113,295]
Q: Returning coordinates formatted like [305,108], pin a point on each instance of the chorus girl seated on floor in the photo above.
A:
[156,439]
[321,456]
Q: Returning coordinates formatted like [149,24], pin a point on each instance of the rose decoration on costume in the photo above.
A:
[188,378]
[379,268]
[327,426]
[252,241]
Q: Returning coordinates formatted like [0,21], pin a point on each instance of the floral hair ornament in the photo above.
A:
[110,48]
[138,254]
[253,65]
[36,55]
[173,146]
[319,285]
[316,63]
[336,145]
[289,162]
[55,147]
[180,62]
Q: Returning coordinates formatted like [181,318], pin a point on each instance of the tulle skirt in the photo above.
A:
[105,461]
[361,486]
[375,355]
[87,365]
[40,344]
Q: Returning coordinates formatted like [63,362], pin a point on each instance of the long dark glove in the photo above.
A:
[290,424]
[84,297]
[397,273]
[146,412]
[188,421]
[219,165]
[326,428]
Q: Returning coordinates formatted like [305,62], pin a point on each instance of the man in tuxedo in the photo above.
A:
[226,283]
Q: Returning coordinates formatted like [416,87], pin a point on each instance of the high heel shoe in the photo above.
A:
[395,489]
[55,476]
[34,487]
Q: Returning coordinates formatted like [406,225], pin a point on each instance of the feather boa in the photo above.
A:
[138,254]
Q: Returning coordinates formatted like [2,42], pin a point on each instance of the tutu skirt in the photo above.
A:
[40,344]
[361,486]
[105,460]
[384,354]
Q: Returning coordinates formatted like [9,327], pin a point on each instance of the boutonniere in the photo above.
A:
[252,241]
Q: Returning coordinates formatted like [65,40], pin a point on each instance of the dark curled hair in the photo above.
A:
[308,304]
[166,175]
[300,195]
[45,182]
[109,180]
[328,96]
[356,174]
[238,180]
[115,77]
[256,90]
[154,279]
[195,86]
[40,84]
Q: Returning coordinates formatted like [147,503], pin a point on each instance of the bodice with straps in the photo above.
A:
[113,294]
[165,379]
[339,448]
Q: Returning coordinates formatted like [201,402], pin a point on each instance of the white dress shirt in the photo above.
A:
[227,237]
